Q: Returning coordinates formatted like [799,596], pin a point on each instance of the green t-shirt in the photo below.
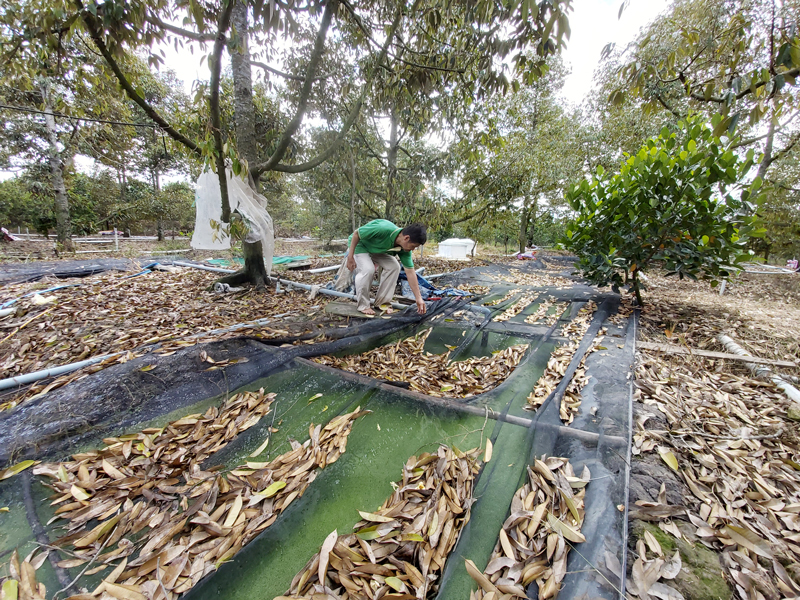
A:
[378,237]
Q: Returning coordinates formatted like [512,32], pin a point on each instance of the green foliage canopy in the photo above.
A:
[672,203]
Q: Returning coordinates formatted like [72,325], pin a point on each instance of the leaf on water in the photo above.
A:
[314,397]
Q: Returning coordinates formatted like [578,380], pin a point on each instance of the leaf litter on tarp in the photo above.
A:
[112,313]
[558,363]
[545,520]
[145,503]
[398,552]
[432,374]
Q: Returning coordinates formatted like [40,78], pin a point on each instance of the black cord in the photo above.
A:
[41,112]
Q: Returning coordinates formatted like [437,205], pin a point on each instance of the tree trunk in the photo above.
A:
[160,227]
[353,193]
[254,270]
[63,224]
[767,159]
[244,109]
[523,225]
[391,162]
[532,218]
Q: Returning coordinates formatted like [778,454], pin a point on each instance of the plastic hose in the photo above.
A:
[760,370]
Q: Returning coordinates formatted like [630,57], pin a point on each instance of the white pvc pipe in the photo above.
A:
[202,267]
[6,311]
[324,269]
[56,371]
[336,293]
[760,370]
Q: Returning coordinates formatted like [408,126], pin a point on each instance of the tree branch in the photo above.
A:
[305,92]
[744,92]
[273,162]
[197,37]
[94,32]
[663,103]
[786,149]
[266,67]
[216,68]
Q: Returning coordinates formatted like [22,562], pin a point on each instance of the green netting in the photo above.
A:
[401,425]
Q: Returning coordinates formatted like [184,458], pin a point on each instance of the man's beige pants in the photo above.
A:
[365,272]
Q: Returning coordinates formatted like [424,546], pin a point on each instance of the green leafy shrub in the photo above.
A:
[671,204]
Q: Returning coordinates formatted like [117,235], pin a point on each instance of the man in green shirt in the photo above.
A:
[378,243]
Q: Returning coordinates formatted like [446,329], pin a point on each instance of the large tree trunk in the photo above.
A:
[63,224]
[353,193]
[254,270]
[391,162]
[244,109]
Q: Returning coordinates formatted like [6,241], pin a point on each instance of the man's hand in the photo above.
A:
[351,262]
[421,308]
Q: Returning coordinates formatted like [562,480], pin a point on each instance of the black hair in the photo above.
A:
[417,233]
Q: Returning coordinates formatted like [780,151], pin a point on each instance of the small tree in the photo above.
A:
[670,204]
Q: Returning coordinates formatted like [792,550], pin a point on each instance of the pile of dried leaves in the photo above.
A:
[497,301]
[558,364]
[397,552]
[517,277]
[431,374]
[476,290]
[21,580]
[692,313]
[730,441]
[521,304]
[193,519]
[546,518]
[544,308]
[647,574]
[112,313]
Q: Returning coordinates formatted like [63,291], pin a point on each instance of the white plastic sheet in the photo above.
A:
[245,201]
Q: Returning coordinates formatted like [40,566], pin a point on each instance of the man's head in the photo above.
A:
[412,237]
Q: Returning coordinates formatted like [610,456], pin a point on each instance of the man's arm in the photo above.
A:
[411,274]
[351,252]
